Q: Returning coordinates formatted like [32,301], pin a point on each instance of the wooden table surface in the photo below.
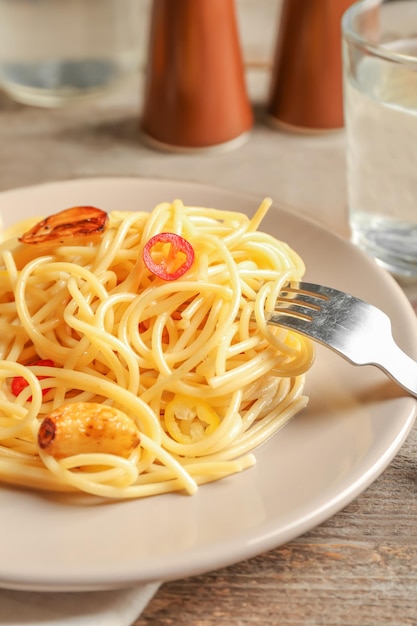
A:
[359,567]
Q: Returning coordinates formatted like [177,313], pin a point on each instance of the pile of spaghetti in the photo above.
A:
[135,358]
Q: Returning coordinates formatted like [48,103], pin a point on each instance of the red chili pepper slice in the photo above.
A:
[19,383]
[168,255]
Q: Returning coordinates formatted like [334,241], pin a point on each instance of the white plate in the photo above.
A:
[355,423]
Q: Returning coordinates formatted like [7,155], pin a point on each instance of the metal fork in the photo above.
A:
[355,329]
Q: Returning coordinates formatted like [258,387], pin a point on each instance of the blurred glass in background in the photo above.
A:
[54,52]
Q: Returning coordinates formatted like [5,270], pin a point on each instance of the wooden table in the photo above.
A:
[358,568]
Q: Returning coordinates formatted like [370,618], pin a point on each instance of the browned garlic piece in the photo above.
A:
[87,427]
[78,221]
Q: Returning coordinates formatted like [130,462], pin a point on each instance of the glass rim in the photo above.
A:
[350,34]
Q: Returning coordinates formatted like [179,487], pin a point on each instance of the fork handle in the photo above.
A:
[399,366]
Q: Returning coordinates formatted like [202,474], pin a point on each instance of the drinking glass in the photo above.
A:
[53,52]
[380,105]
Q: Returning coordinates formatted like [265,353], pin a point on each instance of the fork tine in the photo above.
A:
[318,312]
[294,316]
[300,300]
[321,305]
[295,321]
[308,291]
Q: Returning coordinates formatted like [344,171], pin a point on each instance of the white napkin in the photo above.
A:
[93,608]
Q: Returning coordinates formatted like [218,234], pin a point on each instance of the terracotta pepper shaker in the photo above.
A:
[195,93]
[306,82]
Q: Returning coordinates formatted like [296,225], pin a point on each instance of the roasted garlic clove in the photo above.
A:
[79,221]
[87,427]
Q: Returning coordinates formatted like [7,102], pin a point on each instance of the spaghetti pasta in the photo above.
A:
[188,360]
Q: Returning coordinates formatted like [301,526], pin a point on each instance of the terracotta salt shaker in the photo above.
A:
[306,81]
[195,92]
